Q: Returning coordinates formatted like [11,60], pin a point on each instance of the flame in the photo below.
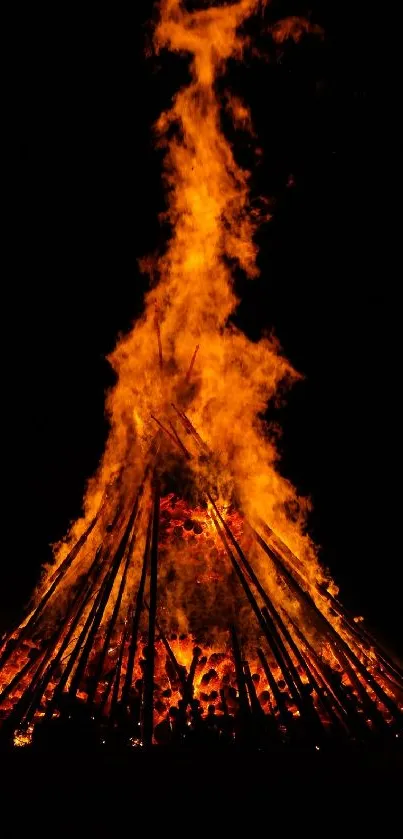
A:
[212,233]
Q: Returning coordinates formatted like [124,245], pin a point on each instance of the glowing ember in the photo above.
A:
[23,738]
[188,601]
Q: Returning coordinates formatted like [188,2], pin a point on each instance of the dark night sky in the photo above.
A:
[86,195]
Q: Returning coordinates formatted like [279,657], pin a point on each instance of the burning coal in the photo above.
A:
[188,602]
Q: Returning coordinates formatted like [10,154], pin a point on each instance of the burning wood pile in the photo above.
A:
[188,606]
[111,663]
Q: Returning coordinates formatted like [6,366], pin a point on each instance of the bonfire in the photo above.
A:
[188,604]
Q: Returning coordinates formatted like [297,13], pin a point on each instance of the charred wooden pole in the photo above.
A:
[118,671]
[192,363]
[332,704]
[19,714]
[99,609]
[255,705]
[244,707]
[284,665]
[298,691]
[281,653]
[162,427]
[13,684]
[173,436]
[366,700]
[84,632]
[245,562]
[94,621]
[33,620]
[53,658]
[188,695]
[148,713]
[353,664]
[358,644]
[350,719]
[283,658]
[136,610]
[180,671]
[179,441]
[281,553]
[391,669]
[189,428]
[158,331]
[289,664]
[104,699]
[244,583]
[280,700]
[338,643]
[115,613]
[117,675]
[309,671]
[281,548]
[73,657]
[69,637]
[342,705]
[31,698]
[258,612]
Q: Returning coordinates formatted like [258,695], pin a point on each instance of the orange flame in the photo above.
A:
[233,379]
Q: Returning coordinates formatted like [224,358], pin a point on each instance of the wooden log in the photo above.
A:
[179,441]
[192,363]
[364,637]
[303,701]
[116,608]
[91,584]
[277,693]
[166,432]
[13,684]
[179,670]
[136,610]
[283,550]
[189,428]
[244,707]
[282,656]
[100,604]
[19,712]
[244,583]
[367,701]
[158,331]
[192,671]
[338,643]
[99,609]
[105,698]
[148,711]
[80,641]
[108,569]
[310,673]
[52,659]
[341,702]
[31,698]
[28,628]
[255,705]
[285,665]
[267,630]
[118,671]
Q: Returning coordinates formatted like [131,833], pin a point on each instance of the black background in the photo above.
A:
[85,204]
